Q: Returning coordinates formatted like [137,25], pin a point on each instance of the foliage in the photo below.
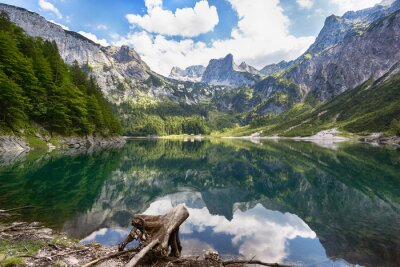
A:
[371,107]
[37,87]
[395,127]
[171,118]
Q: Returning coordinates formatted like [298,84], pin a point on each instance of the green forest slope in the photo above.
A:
[38,91]
[373,107]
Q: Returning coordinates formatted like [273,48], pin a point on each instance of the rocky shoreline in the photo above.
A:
[91,141]
[332,136]
[17,144]
[377,139]
[13,144]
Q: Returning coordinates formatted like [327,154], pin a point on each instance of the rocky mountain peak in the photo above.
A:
[226,63]
[353,22]
[225,72]
[126,54]
[247,68]
[191,74]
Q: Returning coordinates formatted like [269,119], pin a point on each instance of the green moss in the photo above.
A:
[308,56]
[36,142]
[12,261]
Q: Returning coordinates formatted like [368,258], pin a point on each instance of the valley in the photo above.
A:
[320,90]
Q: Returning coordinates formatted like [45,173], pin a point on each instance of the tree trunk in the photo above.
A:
[162,233]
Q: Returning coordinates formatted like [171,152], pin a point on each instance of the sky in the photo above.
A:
[168,33]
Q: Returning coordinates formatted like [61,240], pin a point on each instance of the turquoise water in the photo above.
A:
[288,202]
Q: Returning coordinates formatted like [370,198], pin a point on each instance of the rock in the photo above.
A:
[112,66]
[51,147]
[13,144]
[274,68]
[247,68]
[191,74]
[71,261]
[225,72]
[211,255]
[89,142]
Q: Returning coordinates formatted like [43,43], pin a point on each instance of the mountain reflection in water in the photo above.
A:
[291,202]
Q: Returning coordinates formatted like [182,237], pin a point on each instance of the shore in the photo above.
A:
[30,244]
[21,144]
[332,136]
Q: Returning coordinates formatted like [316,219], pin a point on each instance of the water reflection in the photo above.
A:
[281,201]
[255,232]
[264,234]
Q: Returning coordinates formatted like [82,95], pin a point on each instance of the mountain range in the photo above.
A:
[349,51]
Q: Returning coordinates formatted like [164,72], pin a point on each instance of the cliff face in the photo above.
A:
[349,51]
[225,72]
[190,74]
[120,72]
[113,67]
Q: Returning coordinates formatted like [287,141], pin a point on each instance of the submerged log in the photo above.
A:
[159,233]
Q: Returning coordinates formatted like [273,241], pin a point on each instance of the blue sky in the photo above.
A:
[180,33]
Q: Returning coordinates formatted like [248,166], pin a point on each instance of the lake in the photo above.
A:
[277,201]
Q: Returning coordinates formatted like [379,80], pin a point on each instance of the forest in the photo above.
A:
[38,91]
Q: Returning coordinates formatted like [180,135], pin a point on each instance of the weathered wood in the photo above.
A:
[162,231]
[142,253]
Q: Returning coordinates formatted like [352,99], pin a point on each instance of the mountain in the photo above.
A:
[113,67]
[247,68]
[336,29]
[348,51]
[225,72]
[370,108]
[222,72]
[41,95]
[191,74]
[274,68]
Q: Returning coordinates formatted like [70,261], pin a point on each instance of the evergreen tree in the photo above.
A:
[37,86]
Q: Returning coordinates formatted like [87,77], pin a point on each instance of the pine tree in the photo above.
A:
[37,86]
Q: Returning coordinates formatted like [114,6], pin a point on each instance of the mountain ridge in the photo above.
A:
[349,51]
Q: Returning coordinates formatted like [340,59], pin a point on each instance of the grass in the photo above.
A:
[36,142]
[12,261]
[10,249]
[370,108]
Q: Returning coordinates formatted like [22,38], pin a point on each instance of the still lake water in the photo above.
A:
[287,202]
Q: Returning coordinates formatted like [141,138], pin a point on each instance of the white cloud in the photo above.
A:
[94,38]
[353,5]
[59,24]
[187,22]
[102,27]
[261,37]
[307,4]
[50,7]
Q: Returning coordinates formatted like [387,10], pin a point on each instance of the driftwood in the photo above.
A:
[159,233]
